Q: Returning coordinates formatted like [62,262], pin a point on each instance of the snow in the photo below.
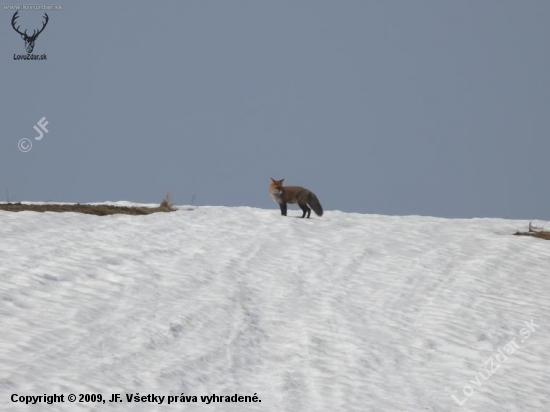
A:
[347,312]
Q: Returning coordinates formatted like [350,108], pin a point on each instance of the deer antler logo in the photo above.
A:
[29,40]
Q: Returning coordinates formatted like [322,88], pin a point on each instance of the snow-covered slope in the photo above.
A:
[347,312]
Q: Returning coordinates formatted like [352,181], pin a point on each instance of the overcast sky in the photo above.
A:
[435,108]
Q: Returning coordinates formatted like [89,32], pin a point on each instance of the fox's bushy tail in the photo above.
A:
[314,203]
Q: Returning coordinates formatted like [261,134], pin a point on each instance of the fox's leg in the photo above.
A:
[305,209]
[283,208]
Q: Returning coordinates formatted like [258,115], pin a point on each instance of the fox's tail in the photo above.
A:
[314,203]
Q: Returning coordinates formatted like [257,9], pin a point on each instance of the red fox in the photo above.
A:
[294,194]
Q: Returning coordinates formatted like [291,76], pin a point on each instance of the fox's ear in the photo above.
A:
[281,181]
[273,180]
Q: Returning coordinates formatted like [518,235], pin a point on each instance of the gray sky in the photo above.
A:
[392,107]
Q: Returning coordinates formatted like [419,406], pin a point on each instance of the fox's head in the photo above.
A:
[276,186]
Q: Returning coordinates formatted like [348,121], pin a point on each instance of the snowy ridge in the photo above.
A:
[347,312]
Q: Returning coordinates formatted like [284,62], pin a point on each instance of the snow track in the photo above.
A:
[347,312]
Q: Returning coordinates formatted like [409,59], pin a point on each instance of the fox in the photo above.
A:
[294,194]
